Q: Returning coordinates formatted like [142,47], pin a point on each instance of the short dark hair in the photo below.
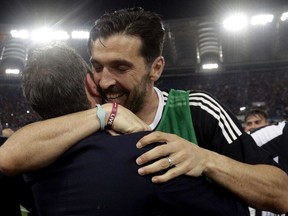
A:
[254,112]
[53,82]
[146,25]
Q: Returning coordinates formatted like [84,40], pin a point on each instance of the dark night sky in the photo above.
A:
[84,12]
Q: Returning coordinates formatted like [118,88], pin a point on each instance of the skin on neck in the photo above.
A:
[149,110]
[151,103]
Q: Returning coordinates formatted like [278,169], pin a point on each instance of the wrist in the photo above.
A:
[107,108]
[111,110]
[209,165]
[101,114]
[112,115]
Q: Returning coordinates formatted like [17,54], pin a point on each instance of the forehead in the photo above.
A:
[119,45]
[255,117]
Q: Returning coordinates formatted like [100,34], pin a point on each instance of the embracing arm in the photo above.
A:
[41,143]
[260,186]
[38,144]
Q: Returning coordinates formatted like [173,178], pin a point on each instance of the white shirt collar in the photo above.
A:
[160,108]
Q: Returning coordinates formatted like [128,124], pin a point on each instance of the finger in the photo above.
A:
[112,132]
[157,152]
[154,167]
[141,127]
[153,137]
[170,174]
[158,165]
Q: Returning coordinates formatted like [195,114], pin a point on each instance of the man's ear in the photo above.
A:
[157,68]
[92,91]
[90,85]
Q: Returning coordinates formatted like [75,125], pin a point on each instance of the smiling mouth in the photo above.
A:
[113,97]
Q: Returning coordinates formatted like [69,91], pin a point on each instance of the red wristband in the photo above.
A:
[112,115]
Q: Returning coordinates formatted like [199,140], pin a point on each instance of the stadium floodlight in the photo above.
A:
[12,71]
[284,16]
[235,22]
[210,66]
[41,35]
[262,19]
[46,34]
[80,34]
[60,35]
[22,34]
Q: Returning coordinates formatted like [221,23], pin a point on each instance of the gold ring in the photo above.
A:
[170,161]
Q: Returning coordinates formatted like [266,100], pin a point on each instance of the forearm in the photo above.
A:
[255,184]
[39,144]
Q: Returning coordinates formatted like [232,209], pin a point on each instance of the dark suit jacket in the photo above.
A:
[98,176]
[13,193]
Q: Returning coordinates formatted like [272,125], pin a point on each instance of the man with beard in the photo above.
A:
[126,57]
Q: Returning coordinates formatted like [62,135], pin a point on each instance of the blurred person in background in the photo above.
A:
[254,119]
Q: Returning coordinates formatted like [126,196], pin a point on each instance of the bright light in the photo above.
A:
[262,19]
[60,35]
[45,34]
[242,108]
[284,16]
[80,34]
[235,22]
[12,71]
[23,34]
[210,66]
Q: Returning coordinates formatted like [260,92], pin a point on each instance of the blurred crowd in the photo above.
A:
[267,90]
[14,111]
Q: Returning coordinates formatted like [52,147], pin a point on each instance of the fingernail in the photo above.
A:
[138,145]
[139,161]
[141,171]
[154,180]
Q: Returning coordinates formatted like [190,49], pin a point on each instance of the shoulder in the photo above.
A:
[195,96]
[204,105]
[204,98]
[207,104]
[269,133]
[209,114]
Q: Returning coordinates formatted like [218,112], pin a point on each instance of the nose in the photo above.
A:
[253,127]
[105,79]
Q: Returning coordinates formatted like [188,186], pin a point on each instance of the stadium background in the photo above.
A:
[253,64]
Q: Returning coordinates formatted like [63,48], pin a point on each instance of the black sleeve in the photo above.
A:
[218,129]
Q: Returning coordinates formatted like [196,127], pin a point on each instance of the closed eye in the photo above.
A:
[96,66]
[121,66]
[97,69]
